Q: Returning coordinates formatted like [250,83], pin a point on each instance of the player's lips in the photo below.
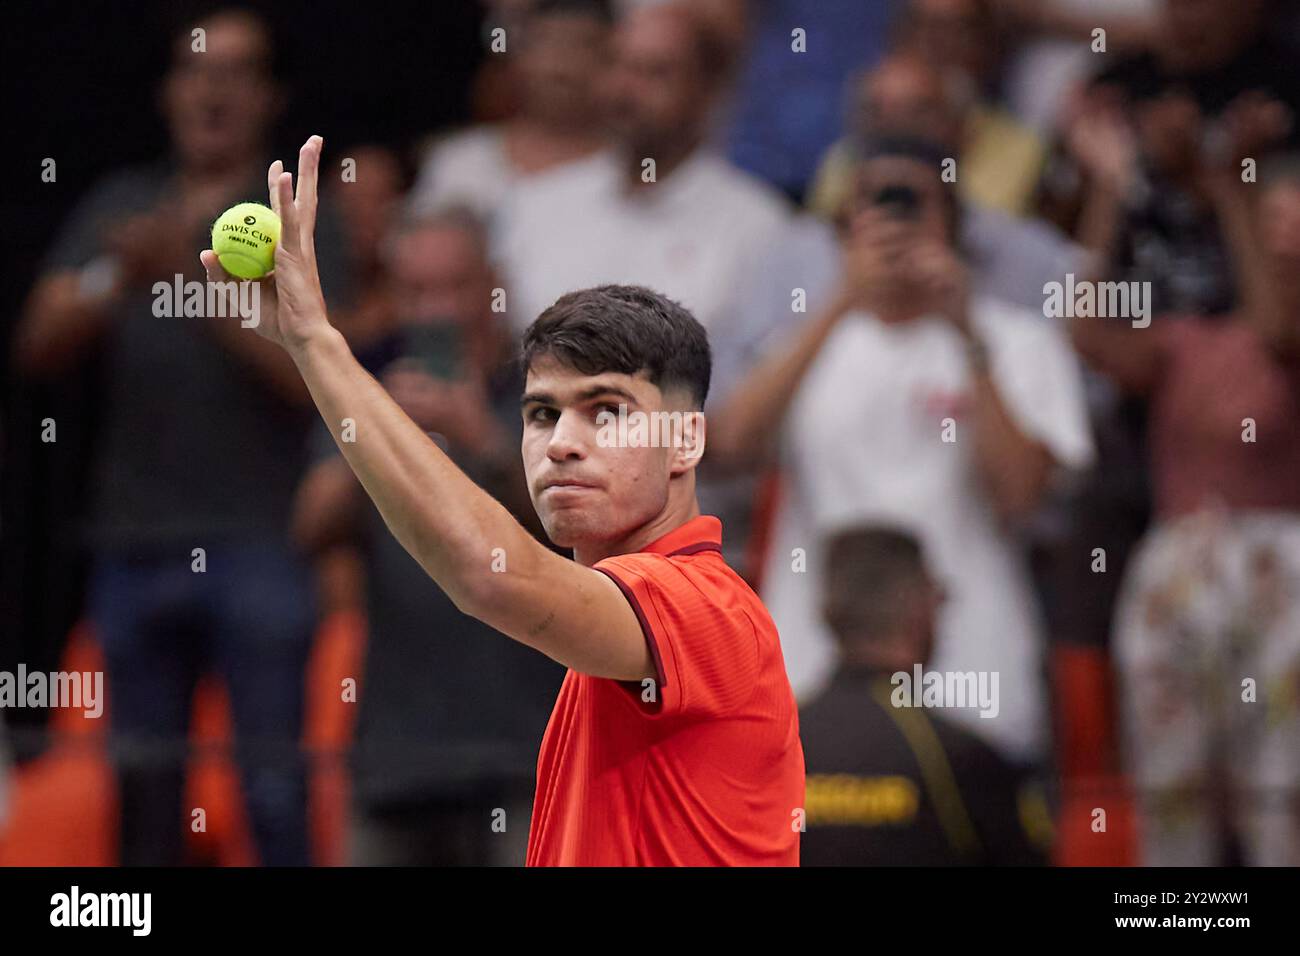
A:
[568,484]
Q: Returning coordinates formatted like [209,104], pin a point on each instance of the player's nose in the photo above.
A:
[568,439]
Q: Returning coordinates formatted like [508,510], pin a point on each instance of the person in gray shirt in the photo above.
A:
[201,445]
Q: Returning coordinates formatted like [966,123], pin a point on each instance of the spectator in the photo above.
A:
[1212,597]
[1001,161]
[787,102]
[1147,218]
[892,785]
[662,211]
[560,56]
[197,451]
[856,403]
[1011,258]
[367,204]
[1058,48]
[452,712]
[1139,134]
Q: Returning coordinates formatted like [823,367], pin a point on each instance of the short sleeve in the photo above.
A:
[1042,384]
[464,168]
[1013,257]
[704,646]
[803,257]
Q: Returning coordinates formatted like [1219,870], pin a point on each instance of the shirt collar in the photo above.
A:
[699,534]
[688,186]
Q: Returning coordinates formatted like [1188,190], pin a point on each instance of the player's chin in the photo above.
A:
[572,527]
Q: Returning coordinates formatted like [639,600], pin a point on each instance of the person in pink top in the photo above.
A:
[1207,631]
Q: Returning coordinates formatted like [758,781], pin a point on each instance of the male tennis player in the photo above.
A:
[674,740]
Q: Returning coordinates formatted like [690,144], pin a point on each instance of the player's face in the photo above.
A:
[588,489]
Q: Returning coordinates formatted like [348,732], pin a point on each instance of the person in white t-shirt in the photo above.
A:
[559,53]
[911,401]
[661,210]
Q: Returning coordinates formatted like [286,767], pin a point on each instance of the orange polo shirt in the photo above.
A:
[701,766]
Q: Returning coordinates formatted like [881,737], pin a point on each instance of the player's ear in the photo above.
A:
[689,432]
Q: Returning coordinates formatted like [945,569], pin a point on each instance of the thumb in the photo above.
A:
[212,266]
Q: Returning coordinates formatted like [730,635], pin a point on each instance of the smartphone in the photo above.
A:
[436,346]
[898,202]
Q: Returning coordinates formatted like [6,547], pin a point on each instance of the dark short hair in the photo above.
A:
[624,328]
[869,570]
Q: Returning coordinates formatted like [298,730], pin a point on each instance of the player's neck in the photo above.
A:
[672,517]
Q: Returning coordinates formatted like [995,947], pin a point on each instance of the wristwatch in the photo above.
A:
[97,278]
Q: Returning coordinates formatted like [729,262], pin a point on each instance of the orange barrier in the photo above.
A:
[64,803]
[1088,751]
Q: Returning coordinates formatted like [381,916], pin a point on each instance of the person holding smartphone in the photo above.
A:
[911,399]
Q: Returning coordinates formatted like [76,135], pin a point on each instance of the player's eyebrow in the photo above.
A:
[586,395]
[536,398]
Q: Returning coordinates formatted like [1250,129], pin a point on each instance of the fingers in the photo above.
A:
[289,235]
[212,266]
[217,273]
[308,173]
[272,185]
[297,214]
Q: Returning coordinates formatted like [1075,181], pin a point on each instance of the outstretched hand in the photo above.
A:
[292,307]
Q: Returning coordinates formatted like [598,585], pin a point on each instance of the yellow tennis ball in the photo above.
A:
[244,238]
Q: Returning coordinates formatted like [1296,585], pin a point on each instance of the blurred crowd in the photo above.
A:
[1004,299]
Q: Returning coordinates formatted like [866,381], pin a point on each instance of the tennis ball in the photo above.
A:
[244,238]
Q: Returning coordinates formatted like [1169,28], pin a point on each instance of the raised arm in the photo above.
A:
[742,434]
[573,614]
[1014,466]
[744,431]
